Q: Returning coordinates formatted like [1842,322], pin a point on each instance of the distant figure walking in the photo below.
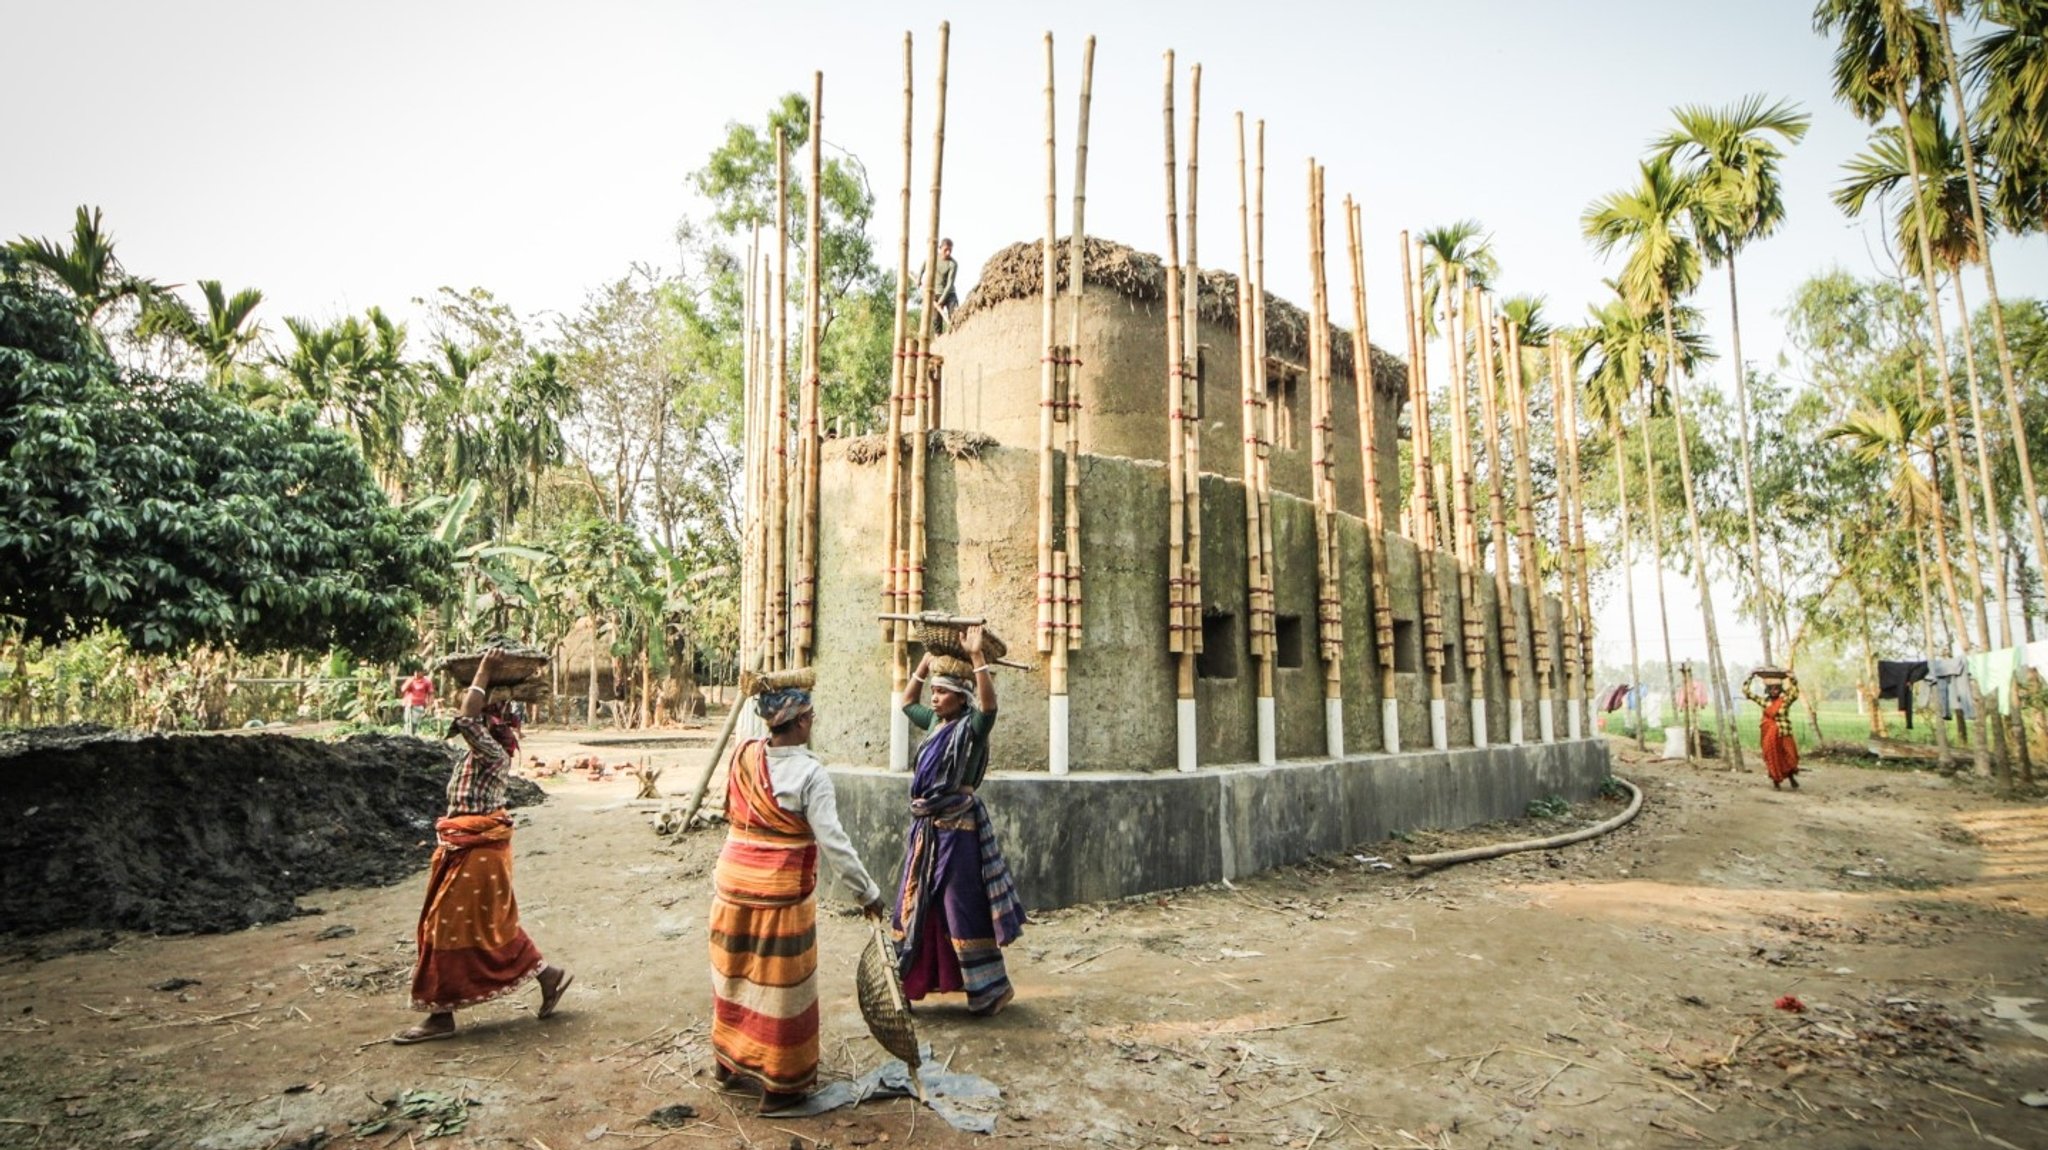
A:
[471,947]
[780,813]
[1781,753]
[418,695]
[957,907]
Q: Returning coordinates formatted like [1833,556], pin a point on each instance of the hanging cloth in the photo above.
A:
[1895,681]
[1953,697]
[1994,671]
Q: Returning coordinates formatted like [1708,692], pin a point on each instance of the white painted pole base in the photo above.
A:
[1517,734]
[1573,726]
[1269,743]
[1439,726]
[1390,726]
[1479,722]
[1333,726]
[1185,724]
[1546,721]
[1056,733]
[899,735]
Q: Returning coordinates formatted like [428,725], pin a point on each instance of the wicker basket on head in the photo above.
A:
[944,638]
[756,682]
[879,987]
[516,665]
[953,668]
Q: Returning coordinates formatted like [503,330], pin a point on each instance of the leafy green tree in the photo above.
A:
[2009,67]
[1731,160]
[354,372]
[178,516]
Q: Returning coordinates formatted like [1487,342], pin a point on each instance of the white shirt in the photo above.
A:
[802,786]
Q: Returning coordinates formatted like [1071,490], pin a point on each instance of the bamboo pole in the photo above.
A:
[895,579]
[750,453]
[1265,418]
[1525,530]
[807,533]
[1496,501]
[1178,641]
[1250,400]
[1465,533]
[1047,368]
[1191,377]
[1375,519]
[1566,433]
[1330,605]
[920,445]
[1077,276]
[778,424]
[1575,497]
[1423,517]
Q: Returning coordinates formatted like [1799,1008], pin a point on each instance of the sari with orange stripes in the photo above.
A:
[471,946]
[764,934]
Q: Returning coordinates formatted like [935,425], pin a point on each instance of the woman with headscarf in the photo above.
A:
[471,946]
[957,907]
[780,811]
[1774,730]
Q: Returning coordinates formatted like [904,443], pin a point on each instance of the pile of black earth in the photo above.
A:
[179,834]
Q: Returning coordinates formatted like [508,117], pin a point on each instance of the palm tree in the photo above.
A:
[220,339]
[1943,10]
[1462,246]
[1731,163]
[1887,60]
[2009,67]
[1610,359]
[1649,221]
[87,269]
[1934,222]
[355,373]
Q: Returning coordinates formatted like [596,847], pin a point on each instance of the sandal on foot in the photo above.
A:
[549,999]
[418,1034]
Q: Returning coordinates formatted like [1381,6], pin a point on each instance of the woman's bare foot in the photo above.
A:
[437,1026]
[774,1100]
[551,988]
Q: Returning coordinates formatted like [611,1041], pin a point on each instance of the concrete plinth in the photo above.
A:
[1104,835]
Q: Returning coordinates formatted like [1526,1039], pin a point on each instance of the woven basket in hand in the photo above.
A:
[755,682]
[944,638]
[880,989]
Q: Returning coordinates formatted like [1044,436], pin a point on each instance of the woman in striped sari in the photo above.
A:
[957,907]
[780,811]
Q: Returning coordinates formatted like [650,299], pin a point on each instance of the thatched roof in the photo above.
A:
[1015,272]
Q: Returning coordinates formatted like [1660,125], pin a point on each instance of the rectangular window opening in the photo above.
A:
[1407,646]
[1287,641]
[1218,657]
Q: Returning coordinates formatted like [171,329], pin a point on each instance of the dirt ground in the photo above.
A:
[1616,994]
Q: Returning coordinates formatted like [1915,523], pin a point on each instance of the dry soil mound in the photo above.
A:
[198,833]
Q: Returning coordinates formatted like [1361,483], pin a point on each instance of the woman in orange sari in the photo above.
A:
[1781,753]
[471,946]
[780,812]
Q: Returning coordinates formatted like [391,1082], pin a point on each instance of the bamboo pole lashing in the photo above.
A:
[1176,392]
[1576,494]
[1191,377]
[1368,439]
[1503,580]
[1329,600]
[1568,605]
[1458,396]
[1263,394]
[1248,419]
[920,364]
[1525,518]
[778,423]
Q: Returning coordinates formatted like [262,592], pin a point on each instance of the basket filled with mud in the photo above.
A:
[521,672]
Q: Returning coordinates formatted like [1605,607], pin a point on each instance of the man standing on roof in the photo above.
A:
[945,284]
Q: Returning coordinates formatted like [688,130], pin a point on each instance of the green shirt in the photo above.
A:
[980,723]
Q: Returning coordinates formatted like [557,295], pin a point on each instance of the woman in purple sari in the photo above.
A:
[957,907]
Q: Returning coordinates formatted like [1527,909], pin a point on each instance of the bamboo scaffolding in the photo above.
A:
[1070,580]
[1251,400]
[894,577]
[778,426]
[813,440]
[1048,368]
[1465,530]
[1568,603]
[1329,598]
[1503,582]
[1191,377]
[920,444]
[1525,528]
[1582,691]
[1423,516]
[1261,363]
[1368,441]
[1179,642]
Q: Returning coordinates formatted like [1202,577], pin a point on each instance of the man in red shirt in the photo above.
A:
[418,694]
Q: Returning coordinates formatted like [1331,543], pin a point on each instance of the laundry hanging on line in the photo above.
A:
[1895,679]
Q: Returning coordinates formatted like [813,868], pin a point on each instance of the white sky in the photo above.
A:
[339,156]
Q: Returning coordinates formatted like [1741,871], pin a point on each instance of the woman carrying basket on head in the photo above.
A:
[780,811]
[957,907]
[1774,729]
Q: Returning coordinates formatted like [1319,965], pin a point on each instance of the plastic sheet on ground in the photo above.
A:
[966,1102]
